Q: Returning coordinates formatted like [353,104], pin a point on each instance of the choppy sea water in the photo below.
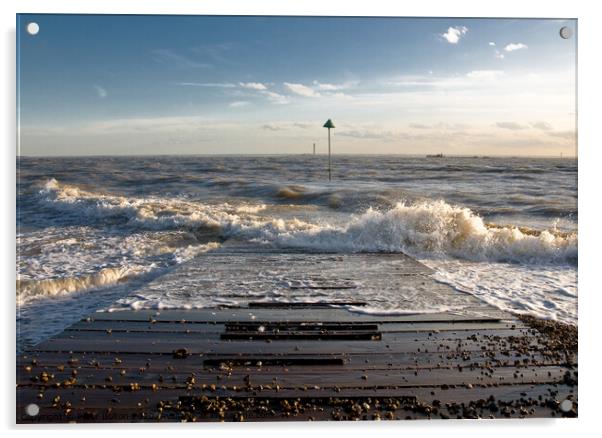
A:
[95,230]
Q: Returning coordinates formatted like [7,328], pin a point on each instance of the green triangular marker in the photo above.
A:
[328,124]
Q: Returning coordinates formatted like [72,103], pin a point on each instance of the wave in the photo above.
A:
[30,289]
[436,228]
[145,213]
[422,229]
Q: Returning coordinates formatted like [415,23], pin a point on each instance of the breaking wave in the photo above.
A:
[436,228]
[33,286]
[29,289]
[423,229]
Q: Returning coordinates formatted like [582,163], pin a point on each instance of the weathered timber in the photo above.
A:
[300,360]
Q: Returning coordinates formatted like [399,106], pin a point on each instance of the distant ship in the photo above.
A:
[435,156]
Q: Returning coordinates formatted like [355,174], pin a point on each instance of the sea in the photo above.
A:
[93,231]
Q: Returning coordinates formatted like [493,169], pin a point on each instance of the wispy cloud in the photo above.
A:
[515,46]
[334,87]
[239,104]
[257,88]
[440,126]
[496,52]
[419,126]
[484,74]
[253,85]
[207,84]
[544,126]
[100,91]
[214,52]
[470,79]
[275,97]
[272,127]
[291,126]
[514,126]
[327,87]
[370,134]
[177,59]
[454,34]
[301,90]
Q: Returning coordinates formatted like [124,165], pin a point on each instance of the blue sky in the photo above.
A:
[194,85]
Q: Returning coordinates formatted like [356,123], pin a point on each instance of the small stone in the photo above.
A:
[180,353]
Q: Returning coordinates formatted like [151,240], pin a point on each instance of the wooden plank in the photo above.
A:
[499,338]
[100,397]
[200,327]
[325,335]
[276,347]
[105,405]
[50,362]
[333,376]
[295,326]
[270,315]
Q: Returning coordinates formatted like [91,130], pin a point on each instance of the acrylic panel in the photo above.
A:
[286,218]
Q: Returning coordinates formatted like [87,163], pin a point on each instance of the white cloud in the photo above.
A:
[454,34]
[301,90]
[484,74]
[515,46]
[253,85]
[334,87]
[339,96]
[102,93]
[491,43]
[276,97]
[327,87]
[239,104]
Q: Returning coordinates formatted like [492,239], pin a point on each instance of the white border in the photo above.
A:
[589,200]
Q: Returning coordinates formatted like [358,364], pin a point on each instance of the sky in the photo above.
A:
[128,85]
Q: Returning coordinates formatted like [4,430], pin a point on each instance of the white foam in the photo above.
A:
[432,228]
[509,266]
[424,228]
[546,291]
[50,264]
[30,289]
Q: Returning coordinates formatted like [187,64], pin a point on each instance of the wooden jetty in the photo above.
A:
[281,361]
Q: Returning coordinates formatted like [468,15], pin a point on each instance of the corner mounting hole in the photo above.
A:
[566,32]
[32,410]
[566,405]
[33,28]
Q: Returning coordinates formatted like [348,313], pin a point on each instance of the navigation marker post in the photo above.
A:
[329,125]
